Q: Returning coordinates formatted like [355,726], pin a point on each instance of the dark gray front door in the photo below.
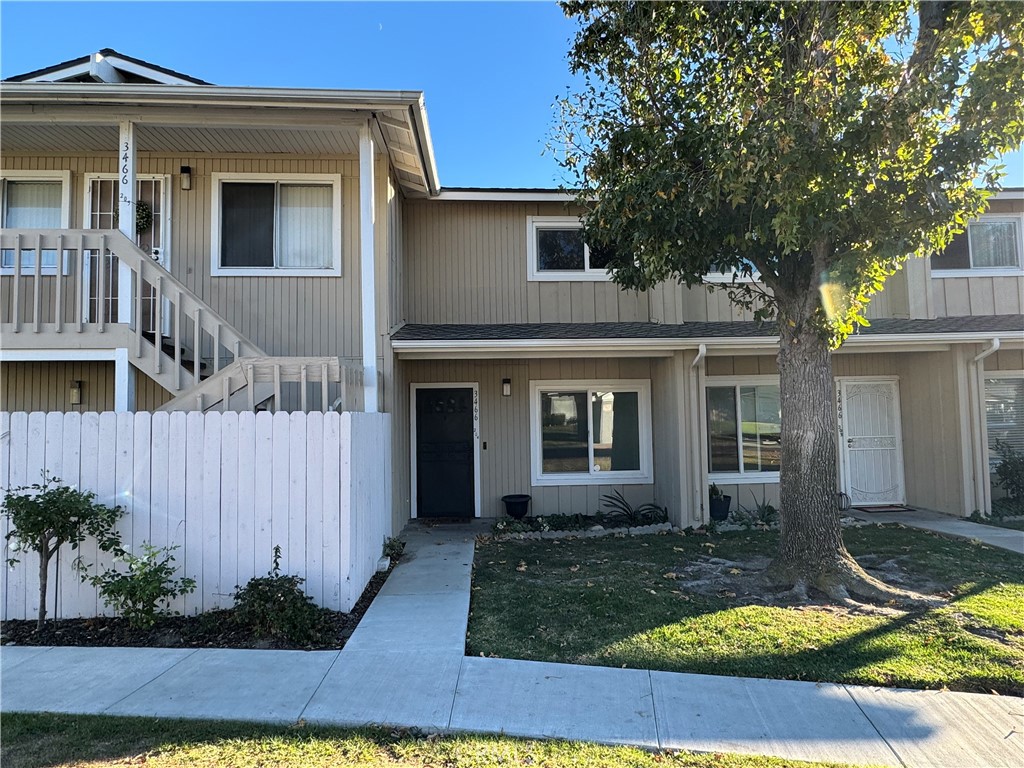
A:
[444,452]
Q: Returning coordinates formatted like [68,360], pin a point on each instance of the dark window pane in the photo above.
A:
[722,448]
[956,255]
[247,225]
[564,431]
[560,250]
[616,420]
[601,256]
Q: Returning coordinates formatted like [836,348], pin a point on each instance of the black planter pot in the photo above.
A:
[720,507]
[516,505]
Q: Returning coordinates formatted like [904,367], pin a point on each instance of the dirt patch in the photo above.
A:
[744,582]
[214,629]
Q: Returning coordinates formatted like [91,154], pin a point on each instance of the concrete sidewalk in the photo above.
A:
[936,522]
[405,666]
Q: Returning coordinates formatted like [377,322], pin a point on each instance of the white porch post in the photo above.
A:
[367,269]
[126,214]
[124,382]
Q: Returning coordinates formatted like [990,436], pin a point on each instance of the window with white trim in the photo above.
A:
[556,251]
[267,224]
[1004,413]
[991,243]
[591,433]
[744,429]
[34,200]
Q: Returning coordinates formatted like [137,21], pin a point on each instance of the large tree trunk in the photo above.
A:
[811,550]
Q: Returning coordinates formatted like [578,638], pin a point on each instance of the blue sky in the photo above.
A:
[490,71]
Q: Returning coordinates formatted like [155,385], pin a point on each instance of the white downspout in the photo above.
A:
[697,446]
[979,426]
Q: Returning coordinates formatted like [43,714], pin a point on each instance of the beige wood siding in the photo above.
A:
[505,427]
[981,295]
[1005,360]
[285,316]
[148,394]
[44,386]
[465,262]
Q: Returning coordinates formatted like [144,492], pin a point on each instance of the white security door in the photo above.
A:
[871,446]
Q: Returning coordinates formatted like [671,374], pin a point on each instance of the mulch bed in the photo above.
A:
[214,629]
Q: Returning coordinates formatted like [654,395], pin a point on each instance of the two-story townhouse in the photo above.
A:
[310,225]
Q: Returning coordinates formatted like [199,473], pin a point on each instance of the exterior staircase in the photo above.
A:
[95,289]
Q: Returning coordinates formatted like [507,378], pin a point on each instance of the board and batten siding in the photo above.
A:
[505,427]
[44,386]
[981,295]
[465,262]
[283,315]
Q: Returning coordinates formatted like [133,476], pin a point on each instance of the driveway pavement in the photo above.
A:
[405,666]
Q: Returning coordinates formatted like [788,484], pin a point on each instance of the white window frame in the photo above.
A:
[535,224]
[1013,375]
[973,271]
[64,177]
[643,476]
[334,180]
[742,477]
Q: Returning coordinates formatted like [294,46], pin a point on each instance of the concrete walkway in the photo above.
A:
[404,666]
[926,520]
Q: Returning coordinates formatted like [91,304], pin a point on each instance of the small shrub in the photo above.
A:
[622,513]
[47,515]
[762,515]
[274,606]
[146,589]
[1010,477]
[393,547]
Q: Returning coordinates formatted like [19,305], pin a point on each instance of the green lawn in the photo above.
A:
[607,602]
[66,740]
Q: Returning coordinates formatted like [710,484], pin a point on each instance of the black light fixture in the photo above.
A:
[186,177]
[75,392]
[506,387]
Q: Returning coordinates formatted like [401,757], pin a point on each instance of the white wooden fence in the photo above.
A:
[225,487]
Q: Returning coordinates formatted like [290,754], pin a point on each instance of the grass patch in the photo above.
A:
[607,602]
[79,740]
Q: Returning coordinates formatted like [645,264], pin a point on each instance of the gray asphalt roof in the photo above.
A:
[1008,324]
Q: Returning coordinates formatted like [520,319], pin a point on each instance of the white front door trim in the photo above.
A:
[841,384]
[473,385]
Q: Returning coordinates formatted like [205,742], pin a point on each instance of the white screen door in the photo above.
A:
[101,213]
[870,441]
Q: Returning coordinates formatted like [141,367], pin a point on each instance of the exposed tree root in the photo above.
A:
[843,578]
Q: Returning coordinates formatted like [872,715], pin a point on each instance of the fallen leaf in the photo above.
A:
[670,575]
[735,571]
[574,568]
[522,566]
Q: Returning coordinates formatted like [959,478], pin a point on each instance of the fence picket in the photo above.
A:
[226,487]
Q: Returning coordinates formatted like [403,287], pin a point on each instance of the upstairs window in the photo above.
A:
[993,242]
[34,200]
[556,251]
[277,226]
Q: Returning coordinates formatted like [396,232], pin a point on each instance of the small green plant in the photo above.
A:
[274,606]
[622,513]
[45,516]
[762,515]
[393,547]
[146,589]
[1010,477]
[714,492]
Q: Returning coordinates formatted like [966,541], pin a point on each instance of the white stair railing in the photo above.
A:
[74,288]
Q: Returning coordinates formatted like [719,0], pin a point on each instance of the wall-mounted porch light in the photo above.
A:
[75,392]
[186,177]
[506,387]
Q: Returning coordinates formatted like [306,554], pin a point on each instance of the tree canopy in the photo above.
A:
[818,144]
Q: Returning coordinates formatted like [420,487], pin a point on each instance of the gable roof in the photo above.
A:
[106,66]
